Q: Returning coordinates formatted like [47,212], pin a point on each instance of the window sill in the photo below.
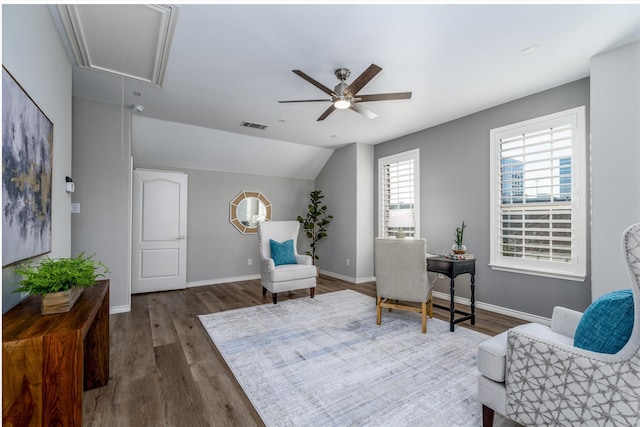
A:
[543,273]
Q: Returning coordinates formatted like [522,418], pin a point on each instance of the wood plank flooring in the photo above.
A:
[165,371]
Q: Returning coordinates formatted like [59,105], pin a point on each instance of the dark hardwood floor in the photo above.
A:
[165,371]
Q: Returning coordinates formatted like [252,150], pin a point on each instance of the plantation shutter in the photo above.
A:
[536,193]
[398,194]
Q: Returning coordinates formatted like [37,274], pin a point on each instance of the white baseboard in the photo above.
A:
[354,280]
[349,279]
[496,309]
[445,296]
[120,309]
[222,280]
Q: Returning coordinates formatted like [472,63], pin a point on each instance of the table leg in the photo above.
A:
[452,304]
[473,299]
[96,348]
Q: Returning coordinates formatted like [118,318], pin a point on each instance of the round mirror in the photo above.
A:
[250,211]
[247,209]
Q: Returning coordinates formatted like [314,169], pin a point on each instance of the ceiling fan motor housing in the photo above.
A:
[340,87]
[343,74]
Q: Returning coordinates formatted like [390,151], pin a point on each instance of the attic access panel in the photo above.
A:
[123,39]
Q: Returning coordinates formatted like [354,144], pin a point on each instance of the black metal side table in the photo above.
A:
[452,268]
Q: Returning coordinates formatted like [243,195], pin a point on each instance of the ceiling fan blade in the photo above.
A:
[326,113]
[315,83]
[384,96]
[362,80]
[364,111]
[307,100]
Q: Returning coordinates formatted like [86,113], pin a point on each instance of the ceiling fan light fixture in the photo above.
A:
[345,96]
[342,103]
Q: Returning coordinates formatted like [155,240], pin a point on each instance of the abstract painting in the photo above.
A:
[27,150]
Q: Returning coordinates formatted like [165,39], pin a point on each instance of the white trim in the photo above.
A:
[575,270]
[222,280]
[120,309]
[354,280]
[444,296]
[496,309]
[541,273]
[130,223]
[405,155]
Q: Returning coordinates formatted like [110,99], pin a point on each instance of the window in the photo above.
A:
[398,183]
[539,196]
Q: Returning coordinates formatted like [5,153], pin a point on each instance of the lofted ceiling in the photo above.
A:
[225,64]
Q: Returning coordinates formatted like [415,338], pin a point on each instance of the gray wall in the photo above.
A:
[364,209]
[615,162]
[347,184]
[102,175]
[454,186]
[338,183]
[216,251]
[34,54]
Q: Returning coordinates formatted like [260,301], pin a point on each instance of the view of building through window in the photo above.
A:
[535,183]
[538,184]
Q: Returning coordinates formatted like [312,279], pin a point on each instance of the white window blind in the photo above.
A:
[538,209]
[398,182]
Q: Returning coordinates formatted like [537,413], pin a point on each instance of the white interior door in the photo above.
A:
[159,246]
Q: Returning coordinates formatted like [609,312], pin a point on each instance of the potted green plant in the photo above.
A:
[59,281]
[315,222]
[458,247]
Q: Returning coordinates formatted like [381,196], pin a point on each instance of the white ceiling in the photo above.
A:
[233,63]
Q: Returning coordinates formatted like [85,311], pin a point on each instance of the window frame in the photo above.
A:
[575,270]
[414,155]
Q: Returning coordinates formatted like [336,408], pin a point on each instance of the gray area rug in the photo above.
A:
[324,362]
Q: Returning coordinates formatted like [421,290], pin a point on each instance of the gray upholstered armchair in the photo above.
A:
[536,376]
[297,273]
[401,276]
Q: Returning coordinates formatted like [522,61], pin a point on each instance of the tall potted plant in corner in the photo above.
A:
[315,222]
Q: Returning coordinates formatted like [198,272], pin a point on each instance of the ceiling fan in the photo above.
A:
[345,96]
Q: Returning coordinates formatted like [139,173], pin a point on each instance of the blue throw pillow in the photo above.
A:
[606,324]
[282,253]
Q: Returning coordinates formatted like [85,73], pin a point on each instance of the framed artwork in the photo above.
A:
[27,151]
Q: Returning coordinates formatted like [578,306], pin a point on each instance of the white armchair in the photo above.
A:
[284,277]
[534,375]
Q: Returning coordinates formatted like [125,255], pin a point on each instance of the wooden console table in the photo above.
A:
[48,360]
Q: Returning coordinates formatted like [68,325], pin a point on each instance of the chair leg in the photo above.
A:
[379,310]
[274,295]
[312,291]
[487,416]
[264,290]
[424,317]
[431,305]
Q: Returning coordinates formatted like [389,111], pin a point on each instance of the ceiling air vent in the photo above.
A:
[253,125]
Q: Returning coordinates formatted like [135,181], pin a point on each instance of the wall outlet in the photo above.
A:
[75,208]
[348,262]
[249,261]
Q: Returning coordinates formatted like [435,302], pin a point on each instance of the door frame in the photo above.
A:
[133,256]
